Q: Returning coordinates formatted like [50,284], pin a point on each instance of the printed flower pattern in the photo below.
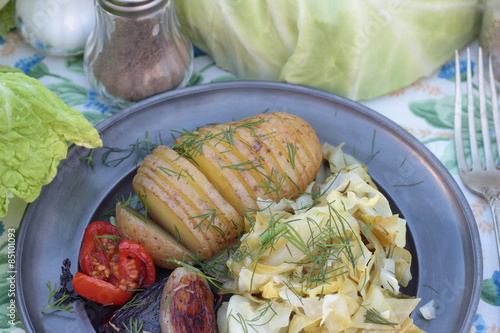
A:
[447,71]
[480,324]
[27,64]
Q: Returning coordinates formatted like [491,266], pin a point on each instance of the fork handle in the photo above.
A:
[493,196]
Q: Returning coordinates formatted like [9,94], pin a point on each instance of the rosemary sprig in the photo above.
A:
[57,304]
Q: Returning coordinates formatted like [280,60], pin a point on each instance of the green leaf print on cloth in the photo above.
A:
[440,113]
[71,93]
[490,292]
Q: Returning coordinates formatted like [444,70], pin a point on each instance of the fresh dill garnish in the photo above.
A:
[292,152]
[89,159]
[373,153]
[214,281]
[138,150]
[408,185]
[274,183]
[57,305]
[97,240]
[130,304]
[243,166]
[179,174]
[208,219]
[134,326]
[425,285]
[375,317]
[255,324]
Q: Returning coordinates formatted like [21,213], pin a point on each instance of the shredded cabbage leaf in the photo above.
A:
[356,49]
[35,126]
[332,263]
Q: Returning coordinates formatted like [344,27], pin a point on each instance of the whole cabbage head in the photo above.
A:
[358,49]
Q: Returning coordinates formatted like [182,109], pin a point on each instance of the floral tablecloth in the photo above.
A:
[424,108]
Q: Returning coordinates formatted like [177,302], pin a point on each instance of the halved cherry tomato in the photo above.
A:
[98,290]
[100,228]
[113,263]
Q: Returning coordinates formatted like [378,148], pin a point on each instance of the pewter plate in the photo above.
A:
[442,233]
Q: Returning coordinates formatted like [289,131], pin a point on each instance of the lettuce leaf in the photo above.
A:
[35,126]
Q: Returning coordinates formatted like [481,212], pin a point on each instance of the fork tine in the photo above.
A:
[485,130]
[476,163]
[494,106]
[459,146]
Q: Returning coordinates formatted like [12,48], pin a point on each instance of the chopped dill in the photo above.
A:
[138,150]
[134,326]
[425,285]
[375,317]
[408,185]
[89,159]
[292,152]
[130,304]
[57,304]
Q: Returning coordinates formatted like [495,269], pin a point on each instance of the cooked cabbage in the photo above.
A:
[334,265]
[357,49]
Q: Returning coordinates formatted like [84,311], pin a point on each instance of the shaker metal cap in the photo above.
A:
[131,8]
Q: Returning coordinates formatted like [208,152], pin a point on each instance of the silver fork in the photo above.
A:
[483,179]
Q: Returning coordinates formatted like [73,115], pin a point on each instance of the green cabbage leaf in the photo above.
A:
[35,126]
[358,49]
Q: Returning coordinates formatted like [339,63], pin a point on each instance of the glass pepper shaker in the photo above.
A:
[136,50]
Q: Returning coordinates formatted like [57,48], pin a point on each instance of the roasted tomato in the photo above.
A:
[111,268]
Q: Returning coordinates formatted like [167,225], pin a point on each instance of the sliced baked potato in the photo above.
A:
[288,163]
[200,190]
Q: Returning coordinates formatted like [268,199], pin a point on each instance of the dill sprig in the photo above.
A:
[130,304]
[97,241]
[90,158]
[138,150]
[292,152]
[214,281]
[253,325]
[208,219]
[57,304]
[375,317]
[179,174]
[134,326]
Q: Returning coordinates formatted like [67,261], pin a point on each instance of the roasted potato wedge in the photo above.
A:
[160,244]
